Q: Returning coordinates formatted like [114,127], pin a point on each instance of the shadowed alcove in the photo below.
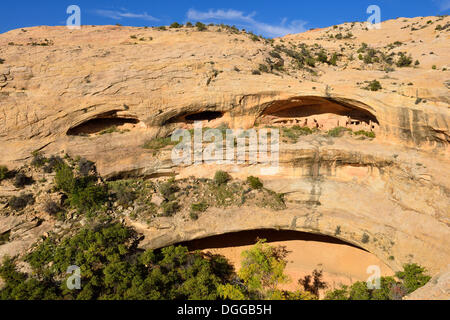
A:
[341,262]
[190,118]
[100,123]
[319,112]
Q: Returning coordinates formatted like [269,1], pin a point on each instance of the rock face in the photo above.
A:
[55,79]
[61,91]
[23,231]
[365,194]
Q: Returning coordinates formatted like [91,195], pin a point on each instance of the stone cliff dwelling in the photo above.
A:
[319,113]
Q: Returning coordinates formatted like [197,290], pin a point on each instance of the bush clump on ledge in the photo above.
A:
[158,143]
[3,173]
[84,192]
[21,202]
[367,134]
[254,182]
[201,27]
[374,85]
[338,132]
[221,177]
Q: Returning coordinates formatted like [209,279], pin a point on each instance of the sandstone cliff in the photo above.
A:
[62,90]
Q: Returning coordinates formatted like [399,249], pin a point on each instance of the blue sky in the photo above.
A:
[269,18]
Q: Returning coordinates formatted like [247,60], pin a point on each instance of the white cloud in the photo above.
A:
[119,15]
[248,21]
[444,5]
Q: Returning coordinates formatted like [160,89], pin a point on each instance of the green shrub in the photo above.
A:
[263,268]
[189,24]
[256,72]
[404,61]
[64,178]
[338,132]
[176,25]
[224,195]
[158,143]
[3,173]
[275,54]
[374,85]
[193,215]
[363,47]
[367,59]
[221,177]
[86,195]
[333,59]
[52,208]
[337,231]
[322,56]
[413,277]
[434,67]
[290,134]
[302,130]
[338,294]
[273,200]
[52,163]
[38,160]
[254,182]
[125,196]
[21,202]
[311,62]
[85,167]
[21,180]
[199,207]
[254,37]
[167,189]
[263,68]
[368,134]
[112,129]
[295,132]
[365,238]
[169,208]
[201,27]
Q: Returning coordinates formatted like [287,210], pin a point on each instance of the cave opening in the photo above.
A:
[100,124]
[204,116]
[320,113]
[250,237]
[340,261]
[207,116]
